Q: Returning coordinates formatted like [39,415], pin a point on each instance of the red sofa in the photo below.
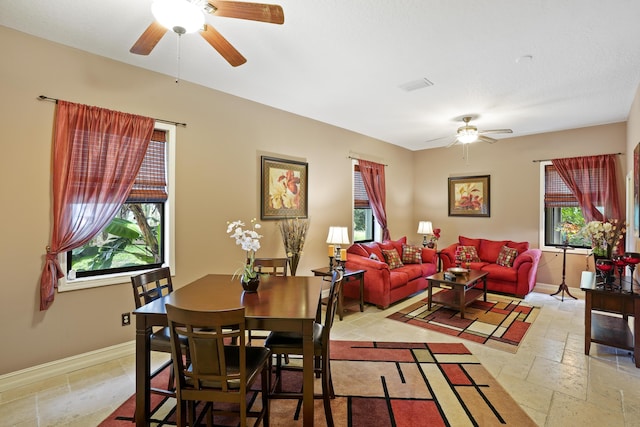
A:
[519,279]
[384,285]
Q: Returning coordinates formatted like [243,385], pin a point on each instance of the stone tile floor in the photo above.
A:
[549,376]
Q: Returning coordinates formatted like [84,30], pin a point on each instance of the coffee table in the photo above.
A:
[460,292]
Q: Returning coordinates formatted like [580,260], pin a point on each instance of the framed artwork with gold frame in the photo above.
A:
[283,189]
[469,196]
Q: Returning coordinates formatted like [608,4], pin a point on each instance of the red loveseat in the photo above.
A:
[385,284]
[518,279]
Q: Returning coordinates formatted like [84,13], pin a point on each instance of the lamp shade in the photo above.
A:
[181,16]
[425,227]
[338,236]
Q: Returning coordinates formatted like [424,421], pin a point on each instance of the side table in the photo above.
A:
[609,330]
[348,275]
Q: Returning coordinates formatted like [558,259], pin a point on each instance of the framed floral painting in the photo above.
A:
[469,196]
[283,190]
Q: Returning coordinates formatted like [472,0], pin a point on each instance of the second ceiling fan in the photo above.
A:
[187,16]
[468,133]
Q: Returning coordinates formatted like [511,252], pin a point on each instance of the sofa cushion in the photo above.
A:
[394,244]
[465,241]
[519,246]
[506,256]
[373,248]
[374,257]
[467,254]
[398,278]
[490,249]
[392,257]
[411,254]
[498,273]
[358,249]
[413,270]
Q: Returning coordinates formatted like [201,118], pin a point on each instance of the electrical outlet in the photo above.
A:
[126,319]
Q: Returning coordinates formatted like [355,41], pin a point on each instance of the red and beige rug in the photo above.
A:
[501,322]
[386,384]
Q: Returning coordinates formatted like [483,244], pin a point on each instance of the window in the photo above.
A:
[561,211]
[363,219]
[140,237]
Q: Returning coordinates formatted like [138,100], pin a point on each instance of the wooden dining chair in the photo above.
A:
[218,372]
[287,343]
[148,287]
[272,267]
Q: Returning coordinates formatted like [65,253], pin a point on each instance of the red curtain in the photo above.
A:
[374,183]
[96,156]
[592,179]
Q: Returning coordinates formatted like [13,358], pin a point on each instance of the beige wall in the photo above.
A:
[217,170]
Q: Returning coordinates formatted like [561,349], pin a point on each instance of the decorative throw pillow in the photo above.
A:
[506,256]
[374,257]
[467,254]
[393,258]
[411,254]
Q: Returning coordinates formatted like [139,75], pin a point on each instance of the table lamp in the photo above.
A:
[424,228]
[337,236]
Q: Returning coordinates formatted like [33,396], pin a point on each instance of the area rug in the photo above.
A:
[501,322]
[386,384]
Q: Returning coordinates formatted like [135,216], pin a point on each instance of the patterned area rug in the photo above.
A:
[386,384]
[501,322]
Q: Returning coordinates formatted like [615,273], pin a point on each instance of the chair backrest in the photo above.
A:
[214,367]
[332,304]
[151,285]
[272,266]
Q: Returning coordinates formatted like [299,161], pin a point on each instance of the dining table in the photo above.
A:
[282,303]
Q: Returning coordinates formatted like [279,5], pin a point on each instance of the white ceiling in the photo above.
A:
[343,62]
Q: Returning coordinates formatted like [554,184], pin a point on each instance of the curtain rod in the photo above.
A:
[357,158]
[610,154]
[47,98]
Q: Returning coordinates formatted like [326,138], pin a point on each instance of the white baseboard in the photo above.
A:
[64,366]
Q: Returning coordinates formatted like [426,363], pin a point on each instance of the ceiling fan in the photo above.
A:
[469,133]
[188,16]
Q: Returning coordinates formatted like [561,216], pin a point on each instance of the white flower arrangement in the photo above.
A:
[604,235]
[249,240]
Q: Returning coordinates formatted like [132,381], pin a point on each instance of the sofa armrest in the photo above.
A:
[448,256]
[526,266]
[530,255]
[429,256]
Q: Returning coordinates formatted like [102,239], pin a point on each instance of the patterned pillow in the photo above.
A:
[467,254]
[393,258]
[411,254]
[506,256]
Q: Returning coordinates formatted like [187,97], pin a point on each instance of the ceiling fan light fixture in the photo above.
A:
[467,134]
[181,16]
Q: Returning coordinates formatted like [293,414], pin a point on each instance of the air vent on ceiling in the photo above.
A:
[416,84]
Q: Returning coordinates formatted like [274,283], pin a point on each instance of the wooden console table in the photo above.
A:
[610,330]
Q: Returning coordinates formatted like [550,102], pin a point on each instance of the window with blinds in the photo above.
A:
[134,240]
[363,219]
[562,210]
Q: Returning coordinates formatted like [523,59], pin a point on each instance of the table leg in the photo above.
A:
[143,366]
[461,298]
[636,331]
[429,293]
[484,283]
[361,292]
[307,373]
[587,322]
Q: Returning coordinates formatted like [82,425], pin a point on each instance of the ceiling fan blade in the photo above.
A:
[223,47]
[495,131]
[455,141]
[149,39]
[437,139]
[486,139]
[270,13]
